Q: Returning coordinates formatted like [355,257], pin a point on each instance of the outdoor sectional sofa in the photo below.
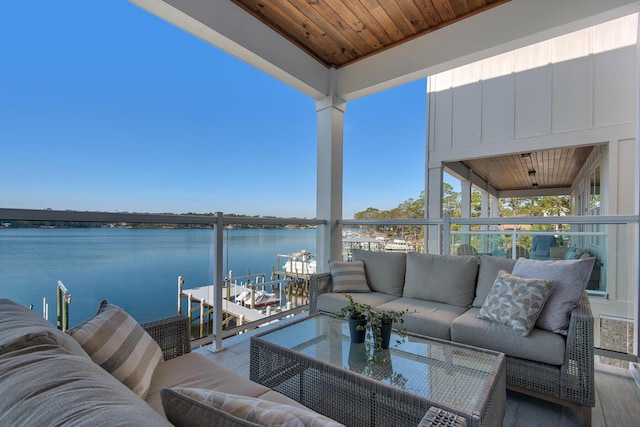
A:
[445,296]
[48,378]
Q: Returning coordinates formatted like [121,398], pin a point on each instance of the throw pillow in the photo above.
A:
[573,253]
[200,407]
[570,279]
[115,341]
[516,302]
[348,276]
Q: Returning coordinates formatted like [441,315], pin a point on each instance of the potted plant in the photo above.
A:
[356,314]
[380,325]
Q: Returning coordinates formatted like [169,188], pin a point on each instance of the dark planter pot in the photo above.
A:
[385,335]
[356,335]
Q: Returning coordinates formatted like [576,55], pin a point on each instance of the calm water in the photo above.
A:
[135,269]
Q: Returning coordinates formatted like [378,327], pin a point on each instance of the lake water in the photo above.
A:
[136,269]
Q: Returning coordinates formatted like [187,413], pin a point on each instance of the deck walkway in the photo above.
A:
[617,395]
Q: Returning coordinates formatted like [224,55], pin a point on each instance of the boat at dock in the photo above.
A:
[399,245]
[302,262]
[261,298]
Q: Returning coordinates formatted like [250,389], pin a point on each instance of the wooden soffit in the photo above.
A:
[534,171]
[340,32]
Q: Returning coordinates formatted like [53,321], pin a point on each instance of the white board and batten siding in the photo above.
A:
[577,89]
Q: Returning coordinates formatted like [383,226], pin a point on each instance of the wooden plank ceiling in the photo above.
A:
[340,32]
[556,168]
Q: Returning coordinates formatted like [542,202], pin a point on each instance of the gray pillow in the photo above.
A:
[348,276]
[384,270]
[516,302]
[489,268]
[441,278]
[19,324]
[570,279]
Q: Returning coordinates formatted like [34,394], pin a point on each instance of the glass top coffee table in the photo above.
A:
[314,362]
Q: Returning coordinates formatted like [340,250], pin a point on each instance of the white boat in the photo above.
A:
[398,245]
[300,263]
[262,298]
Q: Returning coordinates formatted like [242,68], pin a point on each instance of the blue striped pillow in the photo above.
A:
[348,276]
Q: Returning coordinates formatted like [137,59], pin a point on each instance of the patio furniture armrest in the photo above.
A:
[577,372]
[439,417]
[171,334]
[318,284]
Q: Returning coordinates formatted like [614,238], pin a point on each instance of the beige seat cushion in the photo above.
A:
[540,345]
[428,318]
[333,302]
[194,370]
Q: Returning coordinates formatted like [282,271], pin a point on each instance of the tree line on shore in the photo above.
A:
[452,206]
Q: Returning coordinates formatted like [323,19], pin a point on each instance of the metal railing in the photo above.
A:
[216,221]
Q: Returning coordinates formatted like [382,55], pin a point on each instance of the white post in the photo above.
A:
[218,280]
[180,283]
[330,111]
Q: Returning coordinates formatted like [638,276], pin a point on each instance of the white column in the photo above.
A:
[465,204]
[330,112]
[433,208]
[484,213]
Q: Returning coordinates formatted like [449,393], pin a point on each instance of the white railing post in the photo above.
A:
[218,280]
[180,283]
[446,235]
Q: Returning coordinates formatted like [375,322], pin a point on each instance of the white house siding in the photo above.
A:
[582,83]
[577,89]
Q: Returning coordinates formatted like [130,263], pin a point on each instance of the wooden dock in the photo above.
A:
[199,300]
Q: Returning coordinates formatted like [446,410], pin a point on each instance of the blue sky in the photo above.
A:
[106,107]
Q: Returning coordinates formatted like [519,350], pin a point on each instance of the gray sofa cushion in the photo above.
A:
[489,268]
[46,385]
[384,270]
[441,278]
[19,324]
[570,279]
[428,318]
[540,345]
[333,302]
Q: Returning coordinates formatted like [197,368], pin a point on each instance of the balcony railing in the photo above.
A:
[217,246]
[610,238]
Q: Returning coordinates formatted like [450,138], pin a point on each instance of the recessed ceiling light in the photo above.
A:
[526,155]
[532,172]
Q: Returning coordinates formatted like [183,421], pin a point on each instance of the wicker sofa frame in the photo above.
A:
[171,334]
[570,384]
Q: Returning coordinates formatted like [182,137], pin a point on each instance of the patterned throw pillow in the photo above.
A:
[516,302]
[348,276]
[192,406]
[115,341]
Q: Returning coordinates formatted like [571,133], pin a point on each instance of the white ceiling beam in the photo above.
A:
[233,30]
